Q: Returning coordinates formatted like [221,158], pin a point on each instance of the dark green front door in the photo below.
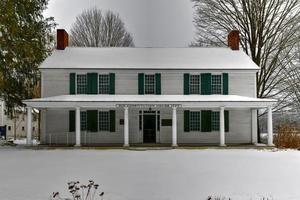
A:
[149,129]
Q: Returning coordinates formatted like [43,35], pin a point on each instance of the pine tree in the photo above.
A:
[25,41]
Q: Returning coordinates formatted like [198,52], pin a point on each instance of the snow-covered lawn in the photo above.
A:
[152,175]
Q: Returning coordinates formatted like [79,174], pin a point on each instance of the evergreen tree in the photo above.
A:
[25,41]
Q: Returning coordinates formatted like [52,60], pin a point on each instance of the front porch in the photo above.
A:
[173,104]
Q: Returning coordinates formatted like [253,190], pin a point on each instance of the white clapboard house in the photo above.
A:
[134,96]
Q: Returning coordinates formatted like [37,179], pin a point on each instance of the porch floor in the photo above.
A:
[153,146]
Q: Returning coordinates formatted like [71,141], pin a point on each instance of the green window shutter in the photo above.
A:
[225,83]
[71,120]
[157,83]
[112,121]
[72,80]
[92,120]
[186,121]
[186,84]
[206,120]
[112,83]
[206,83]
[141,83]
[92,83]
[226,113]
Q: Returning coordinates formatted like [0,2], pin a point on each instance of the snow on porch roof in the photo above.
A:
[68,101]
[148,58]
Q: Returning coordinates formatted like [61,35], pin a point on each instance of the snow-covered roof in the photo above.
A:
[113,100]
[149,58]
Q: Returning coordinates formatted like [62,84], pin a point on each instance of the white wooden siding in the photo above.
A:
[57,121]
[57,82]
[58,127]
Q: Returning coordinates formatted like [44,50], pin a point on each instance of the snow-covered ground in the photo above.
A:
[152,175]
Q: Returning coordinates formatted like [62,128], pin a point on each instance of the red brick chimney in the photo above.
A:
[234,39]
[62,39]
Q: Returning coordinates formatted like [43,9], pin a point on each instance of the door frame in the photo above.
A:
[143,112]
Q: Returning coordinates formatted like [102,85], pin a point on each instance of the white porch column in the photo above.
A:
[77,127]
[29,126]
[270,127]
[174,127]
[126,127]
[254,126]
[222,127]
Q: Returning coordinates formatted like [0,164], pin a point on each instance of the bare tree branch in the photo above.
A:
[93,28]
[269,33]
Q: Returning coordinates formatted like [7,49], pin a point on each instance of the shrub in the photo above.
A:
[80,192]
[288,136]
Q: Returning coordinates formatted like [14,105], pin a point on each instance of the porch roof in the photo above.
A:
[100,101]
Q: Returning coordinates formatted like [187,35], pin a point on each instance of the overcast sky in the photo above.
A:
[153,23]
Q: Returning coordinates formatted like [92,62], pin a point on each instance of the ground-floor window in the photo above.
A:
[83,121]
[204,120]
[195,121]
[215,121]
[103,120]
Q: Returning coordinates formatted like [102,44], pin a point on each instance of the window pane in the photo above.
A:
[195,121]
[149,84]
[81,83]
[215,121]
[83,121]
[216,84]
[103,84]
[194,84]
[103,121]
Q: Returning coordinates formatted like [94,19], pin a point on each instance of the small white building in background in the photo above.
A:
[132,96]
[20,123]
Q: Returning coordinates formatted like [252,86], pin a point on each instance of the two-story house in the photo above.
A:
[129,96]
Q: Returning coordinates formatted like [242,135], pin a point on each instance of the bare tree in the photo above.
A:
[292,80]
[93,28]
[268,35]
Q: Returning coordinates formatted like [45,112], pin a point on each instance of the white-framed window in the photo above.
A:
[103,83]
[103,118]
[81,80]
[216,84]
[195,84]
[83,121]
[195,123]
[215,120]
[149,84]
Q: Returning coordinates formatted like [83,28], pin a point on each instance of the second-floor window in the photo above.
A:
[216,84]
[103,84]
[195,84]
[92,83]
[81,83]
[149,84]
[205,83]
